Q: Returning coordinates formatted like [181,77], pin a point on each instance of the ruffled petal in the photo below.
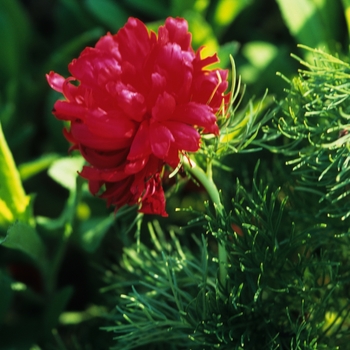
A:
[65,110]
[110,124]
[55,81]
[164,107]
[100,159]
[196,114]
[134,42]
[136,165]
[160,139]
[118,193]
[186,137]
[82,134]
[140,147]
[106,175]
[132,103]
[175,30]
[153,201]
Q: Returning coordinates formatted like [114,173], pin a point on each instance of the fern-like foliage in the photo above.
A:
[285,287]
[314,118]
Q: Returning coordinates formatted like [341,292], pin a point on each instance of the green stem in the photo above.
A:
[205,178]
[67,218]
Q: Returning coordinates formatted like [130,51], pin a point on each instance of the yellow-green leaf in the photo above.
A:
[14,203]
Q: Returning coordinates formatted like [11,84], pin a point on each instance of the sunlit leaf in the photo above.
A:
[65,171]
[13,200]
[311,22]
[202,33]
[346,6]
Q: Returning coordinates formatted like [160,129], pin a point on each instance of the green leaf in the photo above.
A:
[24,238]
[312,22]
[346,8]
[108,12]
[14,203]
[65,171]
[202,33]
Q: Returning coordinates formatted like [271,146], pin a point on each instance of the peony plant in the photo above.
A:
[137,102]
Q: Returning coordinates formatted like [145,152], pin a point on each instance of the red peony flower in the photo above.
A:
[135,102]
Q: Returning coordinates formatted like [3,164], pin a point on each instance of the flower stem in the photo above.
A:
[205,178]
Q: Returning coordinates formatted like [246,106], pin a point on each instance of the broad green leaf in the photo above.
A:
[109,12]
[93,231]
[14,203]
[65,171]
[311,22]
[24,238]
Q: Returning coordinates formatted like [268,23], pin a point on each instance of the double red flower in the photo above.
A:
[136,101]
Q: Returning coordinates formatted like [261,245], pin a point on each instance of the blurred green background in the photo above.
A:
[37,36]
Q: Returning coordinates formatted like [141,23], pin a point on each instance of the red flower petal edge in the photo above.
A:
[135,102]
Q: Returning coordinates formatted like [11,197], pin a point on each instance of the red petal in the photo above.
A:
[118,193]
[55,81]
[175,31]
[160,138]
[108,175]
[199,63]
[140,147]
[65,110]
[186,137]
[176,66]
[136,165]
[109,124]
[134,42]
[94,186]
[154,200]
[132,103]
[83,135]
[101,159]
[196,114]
[164,107]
